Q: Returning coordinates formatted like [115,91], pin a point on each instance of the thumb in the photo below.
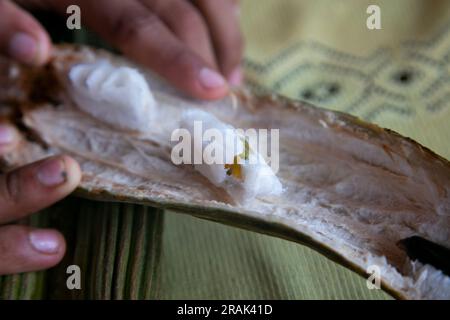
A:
[21,36]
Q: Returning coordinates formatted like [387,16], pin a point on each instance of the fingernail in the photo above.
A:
[44,241]
[235,78]
[23,48]
[6,135]
[52,173]
[210,79]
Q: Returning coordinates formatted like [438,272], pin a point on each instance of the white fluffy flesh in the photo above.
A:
[256,178]
[119,96]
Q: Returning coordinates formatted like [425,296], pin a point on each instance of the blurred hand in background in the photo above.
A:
[196,45]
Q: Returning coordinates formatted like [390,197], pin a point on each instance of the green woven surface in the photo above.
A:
[206,260]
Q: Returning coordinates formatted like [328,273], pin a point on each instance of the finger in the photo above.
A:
[36,186]
[184,20]
[21,36]
[24,249]
[223,22]
[142,36]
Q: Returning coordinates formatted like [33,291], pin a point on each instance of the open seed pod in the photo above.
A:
[352,190]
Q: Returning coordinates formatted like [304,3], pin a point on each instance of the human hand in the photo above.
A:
[194,44]
[22,192]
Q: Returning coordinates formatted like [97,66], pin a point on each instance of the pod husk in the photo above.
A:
[353,189]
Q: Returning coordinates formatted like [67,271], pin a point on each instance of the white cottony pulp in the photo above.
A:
[254,178]
[230,145]
[258,177]
[119,96]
